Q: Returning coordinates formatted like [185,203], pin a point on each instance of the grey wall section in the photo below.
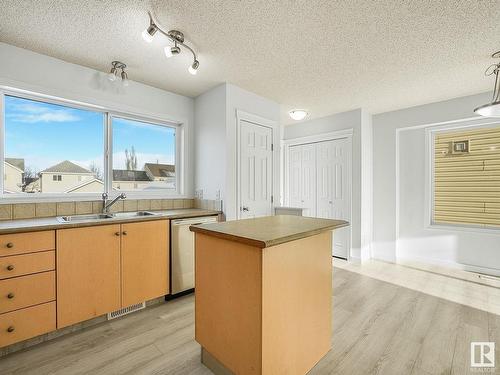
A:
[23,69]
[360,122]
[441,246]
[210,142]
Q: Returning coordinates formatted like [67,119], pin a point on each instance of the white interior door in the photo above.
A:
[319,182]
[339,200]
[308,181]
[256,170]
[302,178]
[295,176]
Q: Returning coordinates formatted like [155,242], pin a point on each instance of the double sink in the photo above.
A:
[104,216]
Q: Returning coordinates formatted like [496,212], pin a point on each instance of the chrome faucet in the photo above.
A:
[106,205]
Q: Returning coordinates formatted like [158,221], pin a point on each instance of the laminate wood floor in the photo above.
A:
[378,328]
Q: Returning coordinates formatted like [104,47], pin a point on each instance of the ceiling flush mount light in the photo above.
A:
[298,114]
[175,37]
[113,74]
[492,109]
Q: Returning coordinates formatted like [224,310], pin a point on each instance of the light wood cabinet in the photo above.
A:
[88,273]
[25,264]
[144,261]
[25,291]
[26,323]
[104,268]
[22,243]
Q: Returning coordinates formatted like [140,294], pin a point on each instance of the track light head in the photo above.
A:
[124,78]
[193,69]
[112,74]
[149,33]
[171,51]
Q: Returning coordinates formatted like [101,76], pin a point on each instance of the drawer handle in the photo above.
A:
[117,233]
[124,233]
[10,295]
[11,329]
[10,267]
[10,245]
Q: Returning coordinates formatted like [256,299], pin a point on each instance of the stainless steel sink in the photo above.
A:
[125,215]
[79,218]
[92,217]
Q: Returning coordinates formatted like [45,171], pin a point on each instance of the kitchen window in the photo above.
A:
[143,156]
[50,147]
[466,177]
[57,148]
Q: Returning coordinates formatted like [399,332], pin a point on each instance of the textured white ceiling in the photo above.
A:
[326,56]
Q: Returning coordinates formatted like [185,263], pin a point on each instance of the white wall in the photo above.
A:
[31,71]
[456,248]
[210,142]
[359,121]
[216,162]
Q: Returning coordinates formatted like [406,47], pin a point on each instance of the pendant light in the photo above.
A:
[492,109]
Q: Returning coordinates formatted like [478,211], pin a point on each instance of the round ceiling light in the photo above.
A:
[298,114]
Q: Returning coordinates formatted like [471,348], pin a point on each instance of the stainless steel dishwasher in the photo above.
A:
[182,253]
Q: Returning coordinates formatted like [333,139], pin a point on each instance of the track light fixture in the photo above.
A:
[174,36]
[115,67]
[492,109]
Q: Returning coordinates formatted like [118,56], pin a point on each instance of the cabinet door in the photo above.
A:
[88,273]
[145,261]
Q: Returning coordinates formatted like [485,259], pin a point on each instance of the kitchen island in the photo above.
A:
[263,301]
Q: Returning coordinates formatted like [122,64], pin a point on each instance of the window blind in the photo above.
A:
[467,177]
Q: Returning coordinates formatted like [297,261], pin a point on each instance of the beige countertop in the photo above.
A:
[270,230]
[38,224]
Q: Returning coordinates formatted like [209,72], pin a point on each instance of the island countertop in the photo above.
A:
[269,230]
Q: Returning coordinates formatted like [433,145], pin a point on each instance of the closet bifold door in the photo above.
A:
[325,179]
[308,179]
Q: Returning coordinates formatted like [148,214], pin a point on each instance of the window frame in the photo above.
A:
[109,113]
[430,134]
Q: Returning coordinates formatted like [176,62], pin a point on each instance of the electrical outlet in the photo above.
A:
[217,195]
[198,194]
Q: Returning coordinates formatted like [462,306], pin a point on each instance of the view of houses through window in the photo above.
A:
[51,148]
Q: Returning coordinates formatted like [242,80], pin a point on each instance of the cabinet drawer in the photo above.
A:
[19,265]
[26,323]
[21,243]
[25,291]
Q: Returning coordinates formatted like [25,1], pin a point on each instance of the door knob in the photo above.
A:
[10,295]
[10,245]
[244,208]
[117,233]
[10,267]
[124,232]
[10,329]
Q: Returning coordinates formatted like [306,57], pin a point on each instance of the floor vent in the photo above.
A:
[126,310]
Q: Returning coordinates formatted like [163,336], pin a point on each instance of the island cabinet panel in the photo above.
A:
[228,302]
[88,273]
[21,243]
[297,304]
[144,261]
